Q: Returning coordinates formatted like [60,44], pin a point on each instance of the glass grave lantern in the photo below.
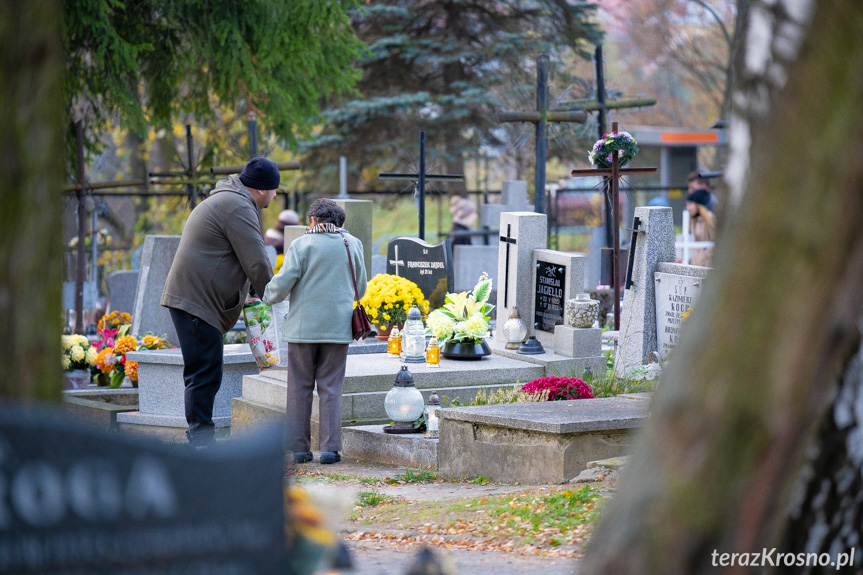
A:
[414,338]
[403,403]
[394,343]
[433,353]
[514,330]
[432,416]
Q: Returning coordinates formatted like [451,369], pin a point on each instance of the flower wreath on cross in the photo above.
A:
[601,154]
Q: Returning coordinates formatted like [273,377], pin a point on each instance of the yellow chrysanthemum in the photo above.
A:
[66,363]
[125,344]
[91,356]
[77,354]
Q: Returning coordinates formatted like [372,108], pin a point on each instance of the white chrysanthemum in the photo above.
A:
[67,342]
[91,356]
[440,325]
[77,353]
[66,363]
[475,327]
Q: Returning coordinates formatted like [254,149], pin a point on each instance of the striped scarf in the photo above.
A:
[324,229]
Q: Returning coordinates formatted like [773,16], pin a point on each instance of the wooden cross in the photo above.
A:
[397,262]
[615,171]
[507,240]
[541,116]
[420,179]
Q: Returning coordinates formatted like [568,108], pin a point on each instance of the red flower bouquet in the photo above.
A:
[559,388]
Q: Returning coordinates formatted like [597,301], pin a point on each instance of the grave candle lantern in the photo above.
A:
[414,338]
[403,403]
[432,417]
[433,353]
[514,330]
[394,343]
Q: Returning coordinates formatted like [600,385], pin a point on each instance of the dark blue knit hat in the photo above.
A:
[699,197]
[261,174]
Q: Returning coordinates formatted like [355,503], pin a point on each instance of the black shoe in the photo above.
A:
[328,457]
[303,456]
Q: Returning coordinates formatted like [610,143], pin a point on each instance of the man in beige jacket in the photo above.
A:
[221,253]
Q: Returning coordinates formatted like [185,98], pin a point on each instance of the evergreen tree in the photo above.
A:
[146,61]
[445,67]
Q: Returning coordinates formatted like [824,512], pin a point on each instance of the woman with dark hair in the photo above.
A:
[317,280]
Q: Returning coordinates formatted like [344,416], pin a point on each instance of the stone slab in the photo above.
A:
[553,363]
[377,372]
[513,198]
[577,342]
[161,388]
[610,463]
[248,416]
[370,443]
[100,406]
[470,262]
[149,315]
[557,417]
[502,454]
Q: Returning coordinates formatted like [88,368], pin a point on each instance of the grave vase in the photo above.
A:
[102,379]
[465,350]
[76,379]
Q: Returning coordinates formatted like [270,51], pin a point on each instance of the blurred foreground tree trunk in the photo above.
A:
[32,166]
[768,371]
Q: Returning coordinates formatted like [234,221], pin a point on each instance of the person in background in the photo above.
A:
[464,216]
[695,181]
[702,225]
[316,277]
[221,254]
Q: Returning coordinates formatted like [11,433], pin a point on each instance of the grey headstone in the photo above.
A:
[470,262]
[515,272]
[593,265]
[122,286]
[513,198]
[291,233]
[655,244]
[677,288]
[117,503]
[427,265]
[557,277]
[359,223]
[156,260]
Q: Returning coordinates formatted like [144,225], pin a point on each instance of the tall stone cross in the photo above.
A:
[615,171]
[397,262]
[420,178]
[541,116]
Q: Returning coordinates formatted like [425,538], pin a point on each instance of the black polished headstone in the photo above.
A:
[427,265]
[75,500]
[549,302]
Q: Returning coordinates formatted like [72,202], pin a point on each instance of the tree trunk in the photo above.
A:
[716,465]
[32,160]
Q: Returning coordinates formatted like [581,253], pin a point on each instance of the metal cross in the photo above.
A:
[397,262]
[507,240]
[420,178]
[615,171]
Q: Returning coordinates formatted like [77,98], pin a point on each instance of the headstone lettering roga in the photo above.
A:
[427,265]
[115,504]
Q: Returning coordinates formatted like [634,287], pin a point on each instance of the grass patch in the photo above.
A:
[544,517]
[479,480]
[368,480]
[413,476]
[371,498]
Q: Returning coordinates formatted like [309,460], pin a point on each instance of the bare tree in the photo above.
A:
[754,388]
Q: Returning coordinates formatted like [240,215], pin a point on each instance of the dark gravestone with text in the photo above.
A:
[75,500]
[427,265]
[549,303]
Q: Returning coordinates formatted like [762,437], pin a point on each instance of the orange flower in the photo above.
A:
[125,344]
[106,360]
[132,370]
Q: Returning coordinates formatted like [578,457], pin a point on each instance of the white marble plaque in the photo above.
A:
[675,294]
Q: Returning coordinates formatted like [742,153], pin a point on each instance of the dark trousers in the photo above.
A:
[308,363]
[203,350]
